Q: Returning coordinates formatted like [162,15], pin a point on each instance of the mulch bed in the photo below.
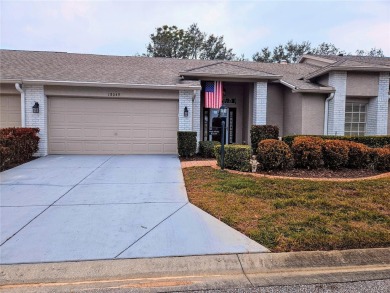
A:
[194,158]
[323,173]
[343,173]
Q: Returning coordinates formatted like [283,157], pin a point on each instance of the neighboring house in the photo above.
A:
[92,104]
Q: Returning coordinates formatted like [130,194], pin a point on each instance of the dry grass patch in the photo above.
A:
[296,215]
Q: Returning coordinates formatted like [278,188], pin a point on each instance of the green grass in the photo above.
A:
[296,215]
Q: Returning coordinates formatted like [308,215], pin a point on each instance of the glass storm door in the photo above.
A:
[212,125]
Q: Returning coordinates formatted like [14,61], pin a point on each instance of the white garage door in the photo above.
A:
[112,126]
[10,111]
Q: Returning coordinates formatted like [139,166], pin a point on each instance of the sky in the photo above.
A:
[124,27]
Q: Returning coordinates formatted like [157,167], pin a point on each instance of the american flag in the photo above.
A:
[213,94]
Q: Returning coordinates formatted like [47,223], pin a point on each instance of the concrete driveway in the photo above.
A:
[79,207]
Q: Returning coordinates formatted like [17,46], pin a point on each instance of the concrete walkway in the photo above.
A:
[71,208]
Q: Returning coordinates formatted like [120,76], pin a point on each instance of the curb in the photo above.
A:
[203,272]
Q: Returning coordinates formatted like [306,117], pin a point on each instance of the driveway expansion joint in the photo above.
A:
[153,228]
[52,204]
[108,213]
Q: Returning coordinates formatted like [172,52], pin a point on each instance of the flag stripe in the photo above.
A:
[213,94]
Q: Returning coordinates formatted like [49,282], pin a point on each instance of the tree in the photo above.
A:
[292,51]
[374,52]
[241,58]
[193,42]
[171,42]
[289,52]
[167,42]
[327,49]
[295,50]
[264,56]
[214,48]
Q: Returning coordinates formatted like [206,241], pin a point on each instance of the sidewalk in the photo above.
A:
[200,272]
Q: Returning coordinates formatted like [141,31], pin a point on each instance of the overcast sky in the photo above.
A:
[123,27]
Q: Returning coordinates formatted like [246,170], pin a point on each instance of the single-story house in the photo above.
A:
[94,104]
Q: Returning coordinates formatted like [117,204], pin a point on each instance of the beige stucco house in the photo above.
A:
[93,104]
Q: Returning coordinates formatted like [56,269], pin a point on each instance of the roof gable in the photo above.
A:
[349,65]
[224,69]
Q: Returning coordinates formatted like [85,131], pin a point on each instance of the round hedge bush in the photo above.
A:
[358,155]
[206,148]
[307,152]
[274,154]
[335,153]
[382,159]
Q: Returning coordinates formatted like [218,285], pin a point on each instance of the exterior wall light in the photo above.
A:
[36,107]
[185,112]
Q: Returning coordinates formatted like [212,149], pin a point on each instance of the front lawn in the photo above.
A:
[295,215]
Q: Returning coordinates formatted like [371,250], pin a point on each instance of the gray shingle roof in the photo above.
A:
[224,68]
[348,64]
[89,68]
[367,59]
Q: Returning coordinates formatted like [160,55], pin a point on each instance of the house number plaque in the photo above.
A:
[114,94]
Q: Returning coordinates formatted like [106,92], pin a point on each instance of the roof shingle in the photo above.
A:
[105,69]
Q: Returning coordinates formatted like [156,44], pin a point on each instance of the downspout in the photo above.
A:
[192,106]
[328,99]
[19,88]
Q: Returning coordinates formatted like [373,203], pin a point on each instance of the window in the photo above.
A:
[355,119]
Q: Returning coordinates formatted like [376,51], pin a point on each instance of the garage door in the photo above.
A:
[112,126]
[10,111]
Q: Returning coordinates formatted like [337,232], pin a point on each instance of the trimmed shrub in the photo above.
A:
[237,157]
[335,153]
[17,145]
[307,152]
[370,141]
[358,155]
[382,159]
[386,146]
[274,154]
[5,157]
[206,148]
[186,143]
[261,132]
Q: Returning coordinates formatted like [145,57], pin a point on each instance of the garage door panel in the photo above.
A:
[91,132]
[109,126]
[156,148]
[170,148]
[156,133]
[140,119]
[140,148]
[140,133]
[170,133]
[91,147]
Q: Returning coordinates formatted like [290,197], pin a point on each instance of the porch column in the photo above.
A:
[36,93]
[259,103]
[336,113]
[196,114]
[377,111]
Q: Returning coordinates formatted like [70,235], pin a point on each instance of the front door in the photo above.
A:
[212,125]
